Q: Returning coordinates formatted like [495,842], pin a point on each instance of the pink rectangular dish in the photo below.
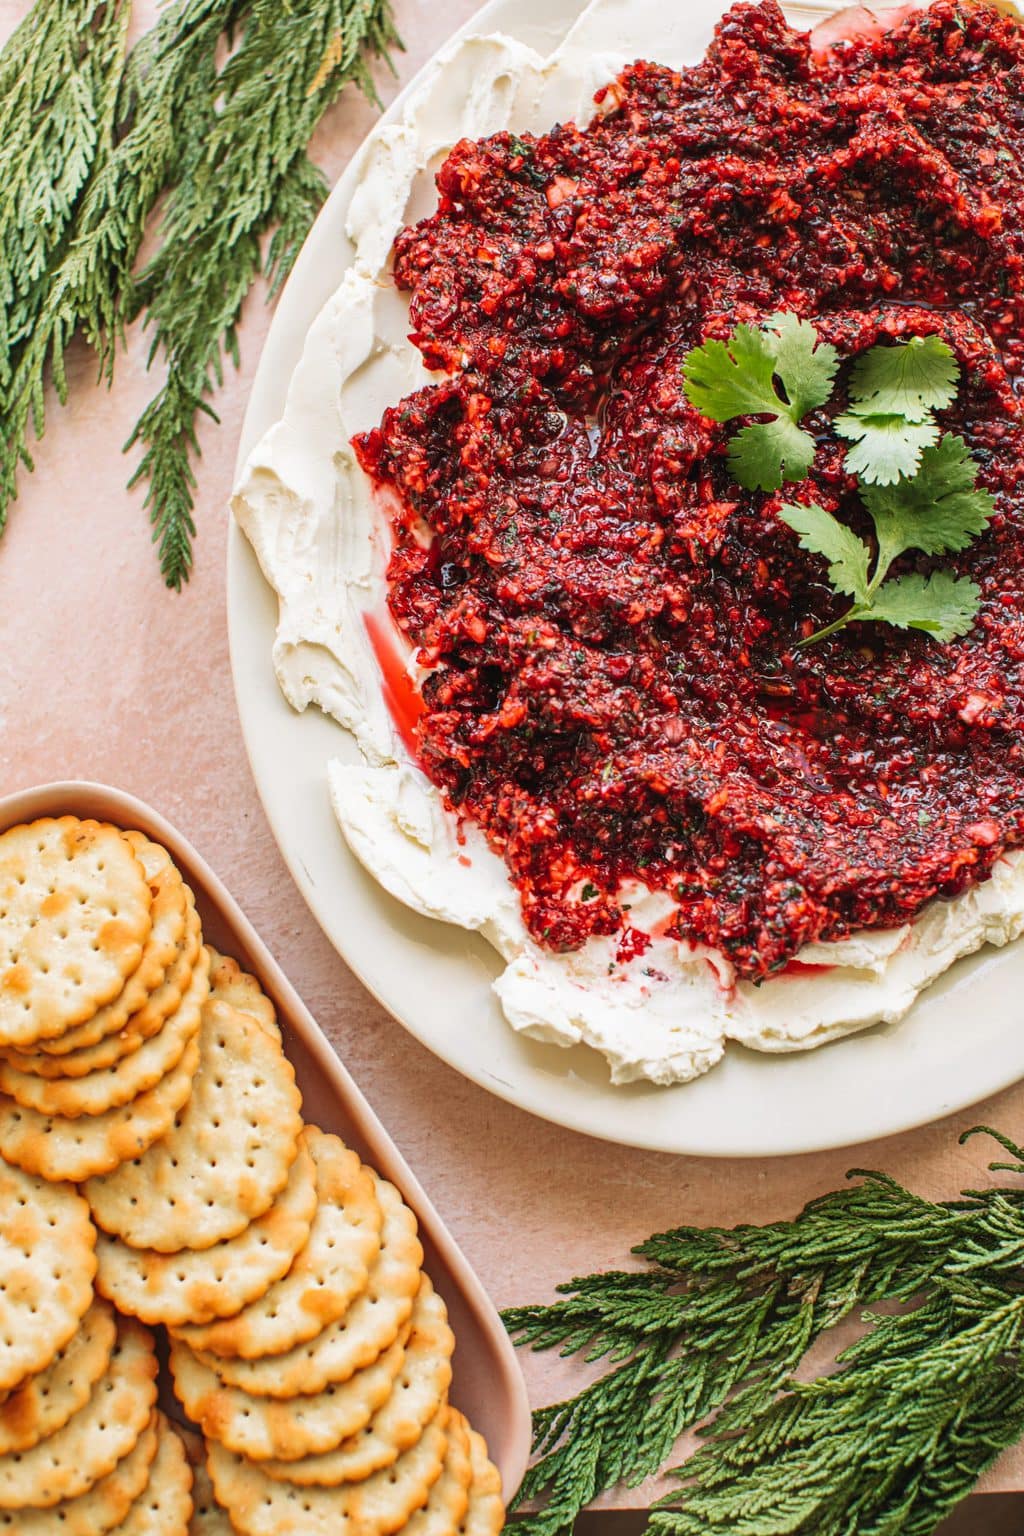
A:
[488,1384]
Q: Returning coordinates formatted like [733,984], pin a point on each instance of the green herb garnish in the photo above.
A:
[737,378]
[711,1333]
[919,488]
[884,447]
[938,511]
[911,379]
[893,394]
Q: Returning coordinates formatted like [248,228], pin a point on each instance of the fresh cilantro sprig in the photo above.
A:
[918,486]
[938,511]
[894,392]
[737,378]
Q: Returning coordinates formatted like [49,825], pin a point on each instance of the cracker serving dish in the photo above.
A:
[488,1384]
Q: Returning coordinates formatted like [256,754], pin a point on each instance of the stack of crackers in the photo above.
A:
[156,1174]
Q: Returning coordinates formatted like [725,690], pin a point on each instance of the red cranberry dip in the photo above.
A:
[613,630]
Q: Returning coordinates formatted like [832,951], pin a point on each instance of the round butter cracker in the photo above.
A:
[74,919]
[417,1394]
[47,1264]
[370,1326]
[164,1507]
[206,1283]
[43,1403]
[485,1515]
[63,1148]
[264,1428]
[230,984]
[228,1154]
[110,1087]
[449,1497]
[208,1517]
[332,1269]
[59,1147]
[378,1506]
[94,1439]
[93,1045]
[97,1511]
[168,910]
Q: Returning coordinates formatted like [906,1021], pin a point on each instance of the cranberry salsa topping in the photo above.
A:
[614,628]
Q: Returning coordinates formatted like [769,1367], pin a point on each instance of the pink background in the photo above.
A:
[106,675]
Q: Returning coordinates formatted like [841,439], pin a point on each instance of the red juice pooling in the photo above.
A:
[405,705]
[616,688]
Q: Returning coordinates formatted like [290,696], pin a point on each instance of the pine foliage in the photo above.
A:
[710,1336]
[92,140]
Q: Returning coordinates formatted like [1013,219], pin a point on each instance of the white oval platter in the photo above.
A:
[962,1042]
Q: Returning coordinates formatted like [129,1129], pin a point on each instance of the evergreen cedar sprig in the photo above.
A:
[59,75]
[711,1334]
[55,100]
[85,287]
[90,140]
[246,175]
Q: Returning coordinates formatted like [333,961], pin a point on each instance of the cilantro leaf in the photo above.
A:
[822,534]
[937,511]
[893,393]
[919,488]
[737,378]
[911,379]
[886,447]
[763,455]
[806,366]
[733,378]
[943,605]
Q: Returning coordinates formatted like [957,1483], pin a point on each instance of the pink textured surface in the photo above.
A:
[105,675]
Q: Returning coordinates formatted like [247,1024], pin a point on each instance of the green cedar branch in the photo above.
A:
[150,100]
[67,85]
[247,175]
[55,113]
[710,1335]
[91,140]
